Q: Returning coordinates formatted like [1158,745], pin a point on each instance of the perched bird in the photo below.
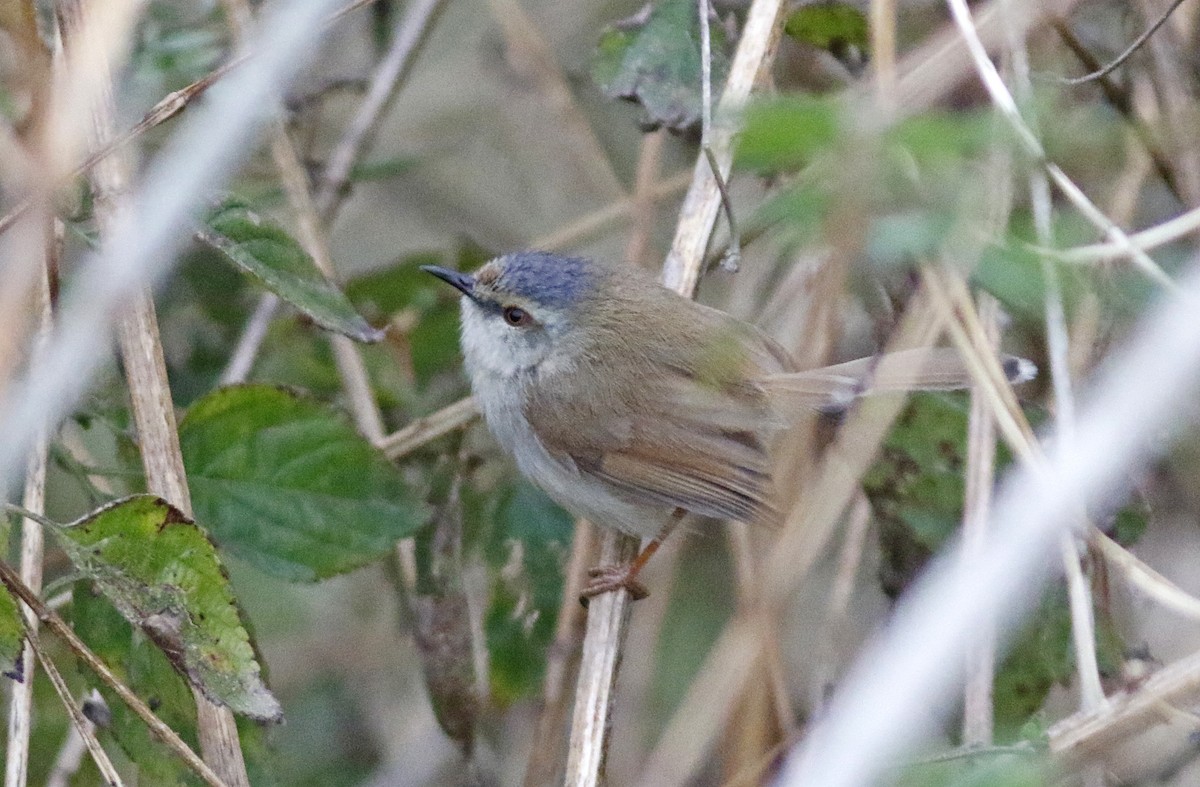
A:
[631,405]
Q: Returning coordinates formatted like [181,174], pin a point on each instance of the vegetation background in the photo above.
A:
[410,600]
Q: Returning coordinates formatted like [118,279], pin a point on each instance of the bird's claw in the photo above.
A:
[609,578]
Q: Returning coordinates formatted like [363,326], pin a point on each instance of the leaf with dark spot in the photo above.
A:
[162,573]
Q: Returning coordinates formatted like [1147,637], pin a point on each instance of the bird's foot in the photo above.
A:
[609,578]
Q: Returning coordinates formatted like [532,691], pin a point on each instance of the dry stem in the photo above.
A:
[146,376]
[82,726]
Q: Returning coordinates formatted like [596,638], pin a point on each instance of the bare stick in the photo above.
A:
[69,758]
[533,59]
[883,54]
[425,430]
[52,621]
[697,215]
[733,252]
[981,468]
[410,33]
[562,659]
[585,227]
[1147,240]
[84,727]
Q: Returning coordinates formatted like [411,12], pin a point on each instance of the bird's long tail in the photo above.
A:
[834,388]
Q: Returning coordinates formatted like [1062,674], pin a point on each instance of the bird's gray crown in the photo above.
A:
[541,277]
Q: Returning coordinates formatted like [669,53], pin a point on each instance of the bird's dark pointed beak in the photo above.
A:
[463,282]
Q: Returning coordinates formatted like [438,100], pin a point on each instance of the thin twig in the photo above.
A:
[54,623]
[585,227]
[421,431]
[250,342]
[533,59]
[1087,733]
[69,758]
[698,214]
[1121,58]
[1147,240]
[882,27]
[1003,100]
[407,39]
[84,727]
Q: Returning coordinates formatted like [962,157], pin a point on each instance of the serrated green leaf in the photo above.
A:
[262,249]
[145,669]
[653,58]
[163,575]
[830,26]
[286,484]
[12,637]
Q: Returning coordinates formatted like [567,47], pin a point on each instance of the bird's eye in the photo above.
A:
[516,316]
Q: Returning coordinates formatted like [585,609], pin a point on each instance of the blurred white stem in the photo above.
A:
[903,682]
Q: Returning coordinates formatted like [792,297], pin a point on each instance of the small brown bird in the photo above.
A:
[632,406]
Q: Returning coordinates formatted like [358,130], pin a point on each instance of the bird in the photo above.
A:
[633,406]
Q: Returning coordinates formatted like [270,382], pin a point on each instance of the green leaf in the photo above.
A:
[12,637]
[285,483]
[785,134]
[163,575]
[145,669]
[1039,657]
[830,26]
[529,540]
[265,251]
[653,59]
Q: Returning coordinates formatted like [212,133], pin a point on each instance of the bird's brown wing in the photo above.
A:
[675,441]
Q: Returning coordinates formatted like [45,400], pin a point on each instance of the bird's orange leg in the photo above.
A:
[609,578]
